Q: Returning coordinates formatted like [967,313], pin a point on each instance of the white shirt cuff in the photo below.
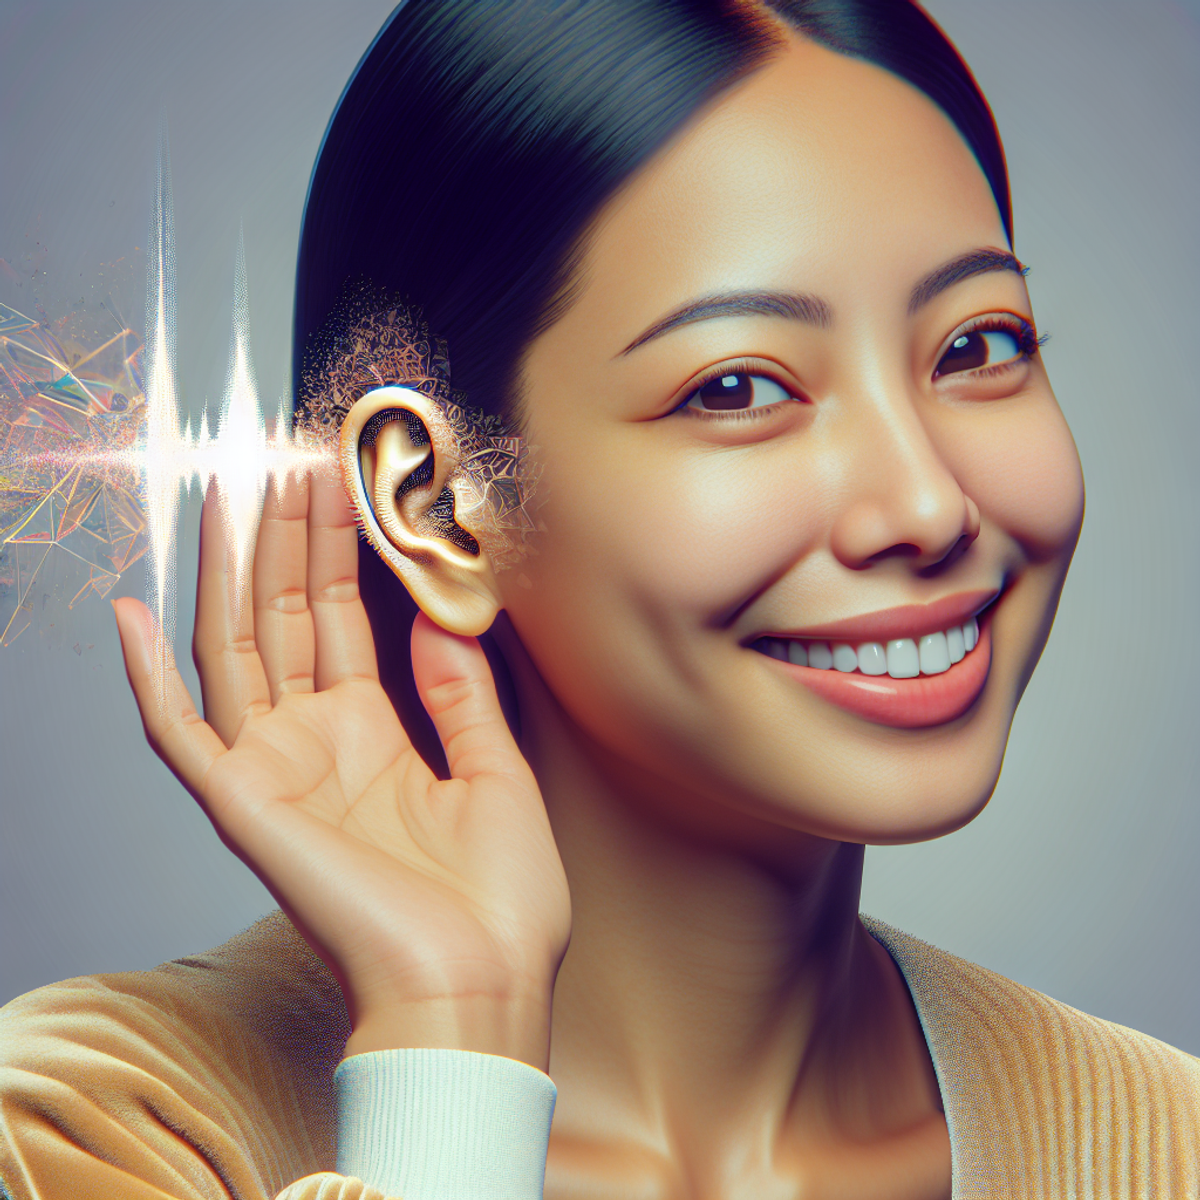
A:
[444,1124]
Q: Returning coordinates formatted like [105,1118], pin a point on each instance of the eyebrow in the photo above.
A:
[812,310]
[974,262]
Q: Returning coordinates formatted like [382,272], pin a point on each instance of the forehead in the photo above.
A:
[818,171]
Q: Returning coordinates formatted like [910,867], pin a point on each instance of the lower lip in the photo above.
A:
[905,703]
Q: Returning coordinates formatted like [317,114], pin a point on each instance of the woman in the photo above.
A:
[740,279]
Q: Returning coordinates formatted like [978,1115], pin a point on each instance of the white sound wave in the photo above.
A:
[95,461]
[240,458]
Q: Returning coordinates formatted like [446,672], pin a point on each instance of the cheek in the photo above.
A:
[698,536]
[1026,478]
[639,562]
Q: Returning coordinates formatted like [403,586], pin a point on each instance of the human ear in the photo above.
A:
[399,457]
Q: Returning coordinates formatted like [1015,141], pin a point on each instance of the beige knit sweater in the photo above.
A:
[210,1078]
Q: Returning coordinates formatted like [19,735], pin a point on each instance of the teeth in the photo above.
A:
[901,658]
[872,659]
[844,658]
[955,643]
[820,656]
[934,653]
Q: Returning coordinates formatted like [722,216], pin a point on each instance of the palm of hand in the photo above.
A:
[411,888]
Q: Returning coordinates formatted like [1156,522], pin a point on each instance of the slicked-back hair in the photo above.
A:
[477,140]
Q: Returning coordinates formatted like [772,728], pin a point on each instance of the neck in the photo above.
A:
[695,969]
[717,965]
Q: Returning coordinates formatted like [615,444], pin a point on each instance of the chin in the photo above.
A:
[859,782]
[932,789]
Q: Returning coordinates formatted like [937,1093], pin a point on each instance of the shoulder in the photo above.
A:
[263,986]
[220,1062]
[1036,1089]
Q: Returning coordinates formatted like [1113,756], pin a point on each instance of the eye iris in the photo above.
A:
[965,354]
[726,393]
[979,348]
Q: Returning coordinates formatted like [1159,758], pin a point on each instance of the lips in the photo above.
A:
[909,667]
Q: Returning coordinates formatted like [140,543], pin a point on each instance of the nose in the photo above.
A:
[903,499]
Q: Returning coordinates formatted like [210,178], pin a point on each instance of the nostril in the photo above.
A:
[900,550]
[951,556]
[926,528]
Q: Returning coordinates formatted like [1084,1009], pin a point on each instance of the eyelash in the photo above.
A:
[1023,332]
[737,414]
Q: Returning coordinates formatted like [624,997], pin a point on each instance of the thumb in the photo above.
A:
[456,686]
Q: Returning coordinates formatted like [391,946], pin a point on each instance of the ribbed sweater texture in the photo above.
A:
[213,1078]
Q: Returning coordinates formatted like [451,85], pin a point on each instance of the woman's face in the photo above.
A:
[862,449]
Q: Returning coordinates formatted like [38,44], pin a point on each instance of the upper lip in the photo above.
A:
[906,621]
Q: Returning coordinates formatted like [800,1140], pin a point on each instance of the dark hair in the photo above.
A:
[477,140]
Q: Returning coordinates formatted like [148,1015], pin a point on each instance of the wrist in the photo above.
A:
[516,1027]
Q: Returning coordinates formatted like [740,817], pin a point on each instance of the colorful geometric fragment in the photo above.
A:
[72,410]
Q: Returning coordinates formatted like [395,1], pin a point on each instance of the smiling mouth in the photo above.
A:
[932,676]
[901,658]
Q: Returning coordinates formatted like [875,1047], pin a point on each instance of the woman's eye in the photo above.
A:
[981,348]
[737,391]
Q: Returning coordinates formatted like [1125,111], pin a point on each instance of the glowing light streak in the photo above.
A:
[240,458]
[162,465]
[242,437]
[90,445]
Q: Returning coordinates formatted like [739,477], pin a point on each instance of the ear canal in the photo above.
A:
[440,518]
[392,486]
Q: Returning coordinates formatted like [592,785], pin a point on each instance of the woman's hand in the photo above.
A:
[441,906]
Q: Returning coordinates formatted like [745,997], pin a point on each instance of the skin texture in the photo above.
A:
[722,1024]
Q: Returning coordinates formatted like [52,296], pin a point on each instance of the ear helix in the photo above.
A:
[398,463]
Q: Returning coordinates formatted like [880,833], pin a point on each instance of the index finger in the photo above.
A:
[233,685]
[283,624]
[344,643]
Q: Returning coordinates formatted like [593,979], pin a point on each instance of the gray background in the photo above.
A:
[1079,878]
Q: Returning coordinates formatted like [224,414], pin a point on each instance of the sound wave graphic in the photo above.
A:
[95,461]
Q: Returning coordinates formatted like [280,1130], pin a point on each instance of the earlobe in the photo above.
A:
[399,465]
